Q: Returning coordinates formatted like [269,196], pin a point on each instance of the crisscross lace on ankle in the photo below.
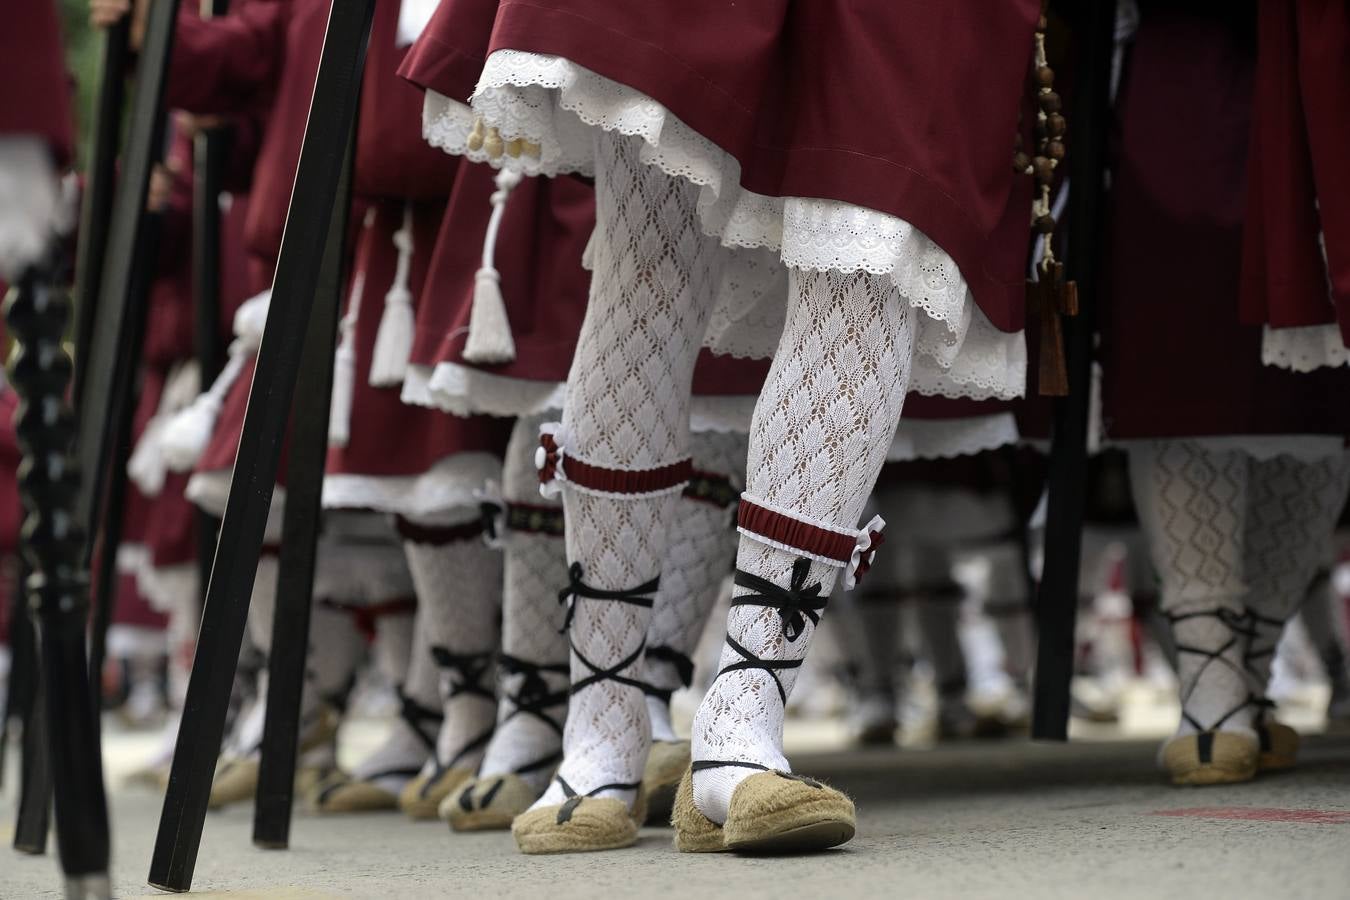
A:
[1239,624]
[795,604]
[533,698]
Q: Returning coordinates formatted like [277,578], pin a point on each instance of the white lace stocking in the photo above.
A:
[459,586]
[535,566]
[701,549]
[408,747]
[627,408]
[1192,504]
[1292,509]
[818,440]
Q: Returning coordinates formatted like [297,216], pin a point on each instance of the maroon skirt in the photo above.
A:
[387,436]
[901,106]
[1176,360]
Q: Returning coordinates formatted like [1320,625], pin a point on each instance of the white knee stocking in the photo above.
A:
[622,453]
[820,433]
[702,547]
[533,702]
[1192,504]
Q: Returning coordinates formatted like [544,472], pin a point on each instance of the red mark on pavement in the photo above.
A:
[1260,814]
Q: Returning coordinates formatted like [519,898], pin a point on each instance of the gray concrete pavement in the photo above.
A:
[977,821]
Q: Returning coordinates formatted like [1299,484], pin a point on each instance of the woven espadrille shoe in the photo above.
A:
[694,832]
[422,797]
[1278,745]
[582,824]
[666,765]
[488,804]
[1210,757]
[236,777]
[341,793]
[770,812]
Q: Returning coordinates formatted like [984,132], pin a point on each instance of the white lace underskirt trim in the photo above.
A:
[1304,349]
[1308,448]
[465,391]
[165,588]
[556,104]
[447,485]
[169,588]
[211,490]
[949,438]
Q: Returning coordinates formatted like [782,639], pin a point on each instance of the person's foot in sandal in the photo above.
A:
[740,793]
[1215,742]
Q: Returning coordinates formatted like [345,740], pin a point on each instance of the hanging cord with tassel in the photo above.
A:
[344,360]
[394,340]
[187,434]
[1049,293]
[489,340]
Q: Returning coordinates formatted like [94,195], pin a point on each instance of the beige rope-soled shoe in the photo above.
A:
[770,812]
[666,765]
[422,797]
[581,824]
[488,804]
[1210,757]
[1278,746]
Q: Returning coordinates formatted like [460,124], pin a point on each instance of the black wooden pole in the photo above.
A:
[1057,602]
[299,541]
[110,347]
[331,117]
[211,149]
[58,589]
[97,200]
[35,775]
[25,697]
[108,535]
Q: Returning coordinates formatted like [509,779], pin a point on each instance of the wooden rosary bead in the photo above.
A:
[1021,162]
[1055,149]
[1044,169]
[1056,125]
[1049,102]
[1045,77]
[1045,224]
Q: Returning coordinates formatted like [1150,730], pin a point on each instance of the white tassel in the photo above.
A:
[344,369]
[489,339]
[393,342]
[146,467]
[187,433]
[251,317]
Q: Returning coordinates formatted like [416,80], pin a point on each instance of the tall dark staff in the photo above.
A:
[209,153]
[328,132]
[299,541]
[109,536]
[53,544]
[1057,602]
[100,177]
[113,350]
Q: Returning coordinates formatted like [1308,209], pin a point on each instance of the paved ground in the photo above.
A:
[1005,820]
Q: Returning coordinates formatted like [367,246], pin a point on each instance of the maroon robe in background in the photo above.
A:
[1176,360]
[1298,205]
[36,89]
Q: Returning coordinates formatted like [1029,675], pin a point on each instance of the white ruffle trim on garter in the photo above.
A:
[1304,349]
[555,103]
